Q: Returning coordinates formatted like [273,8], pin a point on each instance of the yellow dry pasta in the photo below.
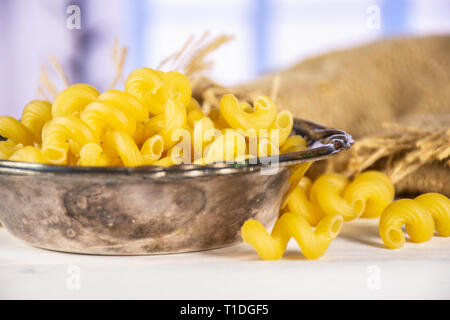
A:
[144,84]
[114,110]
[193,116]
[139,135]
[174,119]
[35,114]
[152,149]
[298,172]
[57,133]
[267,147]
[181,152]
[283,124]
[293,143]
[439,207]
[366,196]
[100,116]
[16,131]
[91,155]
[299,203]
[263,116]
[176,87]
[327,195]
[154,88]
[86,128]
[125,147]
[245,106]
[193,105]
[127,103]
[110,158]
[28,154]
[201,136]
[73,99]
[217,118]
[369,194]
[154,125]
[167,161]
[226,148]
[313,243]
[7,148]
[194,112]
[421,217]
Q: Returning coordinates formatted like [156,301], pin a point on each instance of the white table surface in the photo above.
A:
[355,266]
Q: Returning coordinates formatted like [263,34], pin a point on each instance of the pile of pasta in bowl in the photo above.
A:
[153,121]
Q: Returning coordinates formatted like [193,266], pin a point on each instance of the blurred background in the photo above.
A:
[269,34]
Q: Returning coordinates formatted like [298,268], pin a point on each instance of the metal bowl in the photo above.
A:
[149,210]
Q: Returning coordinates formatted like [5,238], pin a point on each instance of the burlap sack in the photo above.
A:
[393,96]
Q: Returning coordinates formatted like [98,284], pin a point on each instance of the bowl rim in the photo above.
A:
[322,142]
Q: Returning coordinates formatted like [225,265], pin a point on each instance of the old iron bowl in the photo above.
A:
[150,210]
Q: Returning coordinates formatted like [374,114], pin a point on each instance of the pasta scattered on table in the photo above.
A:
[323,204]
[366,196]
[156,121]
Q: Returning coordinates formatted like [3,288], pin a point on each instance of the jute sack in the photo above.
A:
[393,96]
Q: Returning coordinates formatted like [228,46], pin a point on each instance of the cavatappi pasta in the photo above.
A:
[313,243]
[366,196]
[421,217]
[156,121]
[153,121]
[323,204]
[332,199]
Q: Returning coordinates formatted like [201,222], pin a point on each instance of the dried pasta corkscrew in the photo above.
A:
[366,196]
[421,217]
[313,243]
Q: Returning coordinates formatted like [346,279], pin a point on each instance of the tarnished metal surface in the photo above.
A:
[148,210]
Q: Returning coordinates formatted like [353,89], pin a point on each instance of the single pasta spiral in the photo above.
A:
[227,147]
[421,217]
[313,243]
[23,135]
[125,147]
[73,99]
[115,110]
[262,118]
[35,114]
[369,194]
[175,118]
[153,88]
[14,130]
[57,134]
[327,196]
[283,124]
